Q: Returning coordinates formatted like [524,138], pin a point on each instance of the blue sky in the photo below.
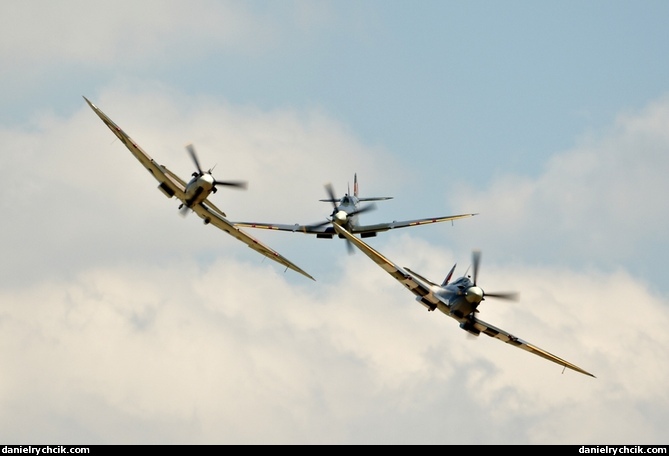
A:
[121,322]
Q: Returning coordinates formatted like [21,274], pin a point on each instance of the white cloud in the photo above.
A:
[114,331]
[94,199]
[125,33]
[122,34]
[233,354]
[602,203]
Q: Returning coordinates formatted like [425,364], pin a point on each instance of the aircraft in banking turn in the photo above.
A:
[194,194]
[345,213]
[459,299]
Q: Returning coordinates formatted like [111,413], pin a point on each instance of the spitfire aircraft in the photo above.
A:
[345,212]
[194,194]
[458,299]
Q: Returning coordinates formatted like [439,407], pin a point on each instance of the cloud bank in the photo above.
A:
[122,323]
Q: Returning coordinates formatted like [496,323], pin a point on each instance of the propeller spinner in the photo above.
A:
[341,217]
[234,184]
[475,294]
[202,184]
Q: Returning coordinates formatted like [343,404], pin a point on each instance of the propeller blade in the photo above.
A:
[184,210]
[235,184]
[511,296]
[362,210]
[477,292]
[193,155]
[319,224]
[476,259]
[330,191]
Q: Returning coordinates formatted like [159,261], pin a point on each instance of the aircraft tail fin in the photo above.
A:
[449,276]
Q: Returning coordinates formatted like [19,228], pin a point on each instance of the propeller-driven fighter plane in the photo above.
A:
[458,299]
[194,194]
[345,213]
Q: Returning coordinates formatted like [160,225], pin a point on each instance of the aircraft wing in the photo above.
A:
[504,336]
[417,284]
[358,229]
[379,227]
[422,288]
[211,215]
[173,185]
[170,183]
[309,229]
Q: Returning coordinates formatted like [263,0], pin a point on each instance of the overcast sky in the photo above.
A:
[123,323]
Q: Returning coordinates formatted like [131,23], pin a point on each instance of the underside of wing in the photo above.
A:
[413,282]
[424,279]
[173,185]
[213,216]
[296,228]
[178,184]
[379,227]
[504,336]
[170,183]
[374,198]
[327,229]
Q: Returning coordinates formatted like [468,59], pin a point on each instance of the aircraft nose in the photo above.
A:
[207,178]
[474,295]
[341,216]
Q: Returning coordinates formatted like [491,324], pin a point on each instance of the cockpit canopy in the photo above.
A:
[462,282]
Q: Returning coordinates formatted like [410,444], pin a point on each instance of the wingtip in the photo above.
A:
[308,275]
[582,371]
[90,103]
[304,273]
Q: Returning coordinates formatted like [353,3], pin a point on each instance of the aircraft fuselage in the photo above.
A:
[199,188]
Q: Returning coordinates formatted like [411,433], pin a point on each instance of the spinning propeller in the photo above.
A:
[342,217]
[475,294]
[235,184]
[207,177]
